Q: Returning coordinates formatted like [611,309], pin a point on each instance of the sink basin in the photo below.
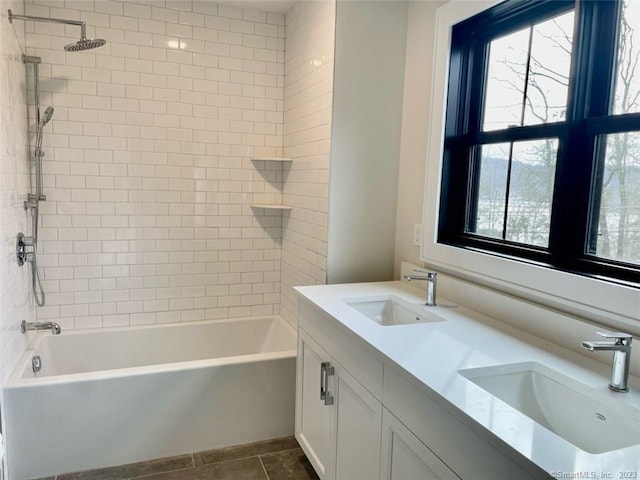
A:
[390,310]
[578,413]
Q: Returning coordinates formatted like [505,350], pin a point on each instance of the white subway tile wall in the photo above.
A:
[308,94]
[16,302]
[148,171]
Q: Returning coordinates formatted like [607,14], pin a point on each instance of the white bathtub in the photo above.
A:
[115,396]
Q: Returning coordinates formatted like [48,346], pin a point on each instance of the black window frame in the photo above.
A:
[580,161]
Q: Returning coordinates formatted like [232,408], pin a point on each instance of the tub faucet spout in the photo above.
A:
[621,348]
[54,327]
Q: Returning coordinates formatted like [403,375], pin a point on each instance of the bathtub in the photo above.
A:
[113,396]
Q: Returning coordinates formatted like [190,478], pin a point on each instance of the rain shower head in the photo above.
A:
[46,116]
[85,44]
[81,45]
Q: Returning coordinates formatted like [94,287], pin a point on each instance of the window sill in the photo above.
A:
[612,304]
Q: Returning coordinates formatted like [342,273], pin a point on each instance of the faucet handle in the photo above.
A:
[426,272]
[621,338]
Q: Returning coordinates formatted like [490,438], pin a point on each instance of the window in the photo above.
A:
[542,135]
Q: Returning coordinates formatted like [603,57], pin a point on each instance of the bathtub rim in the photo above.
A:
[15,380]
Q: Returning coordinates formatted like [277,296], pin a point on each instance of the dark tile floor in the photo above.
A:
[279,459]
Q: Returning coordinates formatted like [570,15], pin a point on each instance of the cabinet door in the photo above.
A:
[405,457]
[314,419]
[358,427]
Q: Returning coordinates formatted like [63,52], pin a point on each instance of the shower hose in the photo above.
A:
[36,283]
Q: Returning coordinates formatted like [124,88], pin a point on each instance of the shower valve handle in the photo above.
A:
[22,242]
[31,201]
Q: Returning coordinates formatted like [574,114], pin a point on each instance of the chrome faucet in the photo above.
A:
[621,348]
[54,327]
[432,282]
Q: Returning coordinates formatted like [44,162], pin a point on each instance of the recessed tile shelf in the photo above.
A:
[271,207]
[273,159]
[264,206]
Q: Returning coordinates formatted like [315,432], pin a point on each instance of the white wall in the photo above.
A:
[365,139]
[307,137]
[148,169]
[415,121]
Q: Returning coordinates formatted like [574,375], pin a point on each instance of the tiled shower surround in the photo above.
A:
[148,170]
[308,97]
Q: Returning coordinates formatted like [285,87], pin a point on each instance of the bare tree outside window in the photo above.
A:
[527,84]
[619,219]
[528,77]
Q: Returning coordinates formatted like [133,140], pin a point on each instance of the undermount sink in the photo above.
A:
[390,310]
[571,410]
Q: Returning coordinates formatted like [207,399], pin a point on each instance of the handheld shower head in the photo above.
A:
[46,116]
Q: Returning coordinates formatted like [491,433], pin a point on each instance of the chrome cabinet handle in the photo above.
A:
[322,369]
[325,371]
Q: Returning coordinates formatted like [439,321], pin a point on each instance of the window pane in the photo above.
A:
[523,173]
[528,75]
[619,219]
[627,89]
[505,80]
[548,81]
[492,190]
[533,168]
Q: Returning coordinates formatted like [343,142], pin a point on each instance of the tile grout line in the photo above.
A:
[147,475]
[263,467]
[193,466]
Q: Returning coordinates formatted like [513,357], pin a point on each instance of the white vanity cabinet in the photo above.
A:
[358,424]
[405,457]
[338,420]
[451,439]
[360,416]
[314,416]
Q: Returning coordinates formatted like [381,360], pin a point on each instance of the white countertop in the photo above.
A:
[434,352]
